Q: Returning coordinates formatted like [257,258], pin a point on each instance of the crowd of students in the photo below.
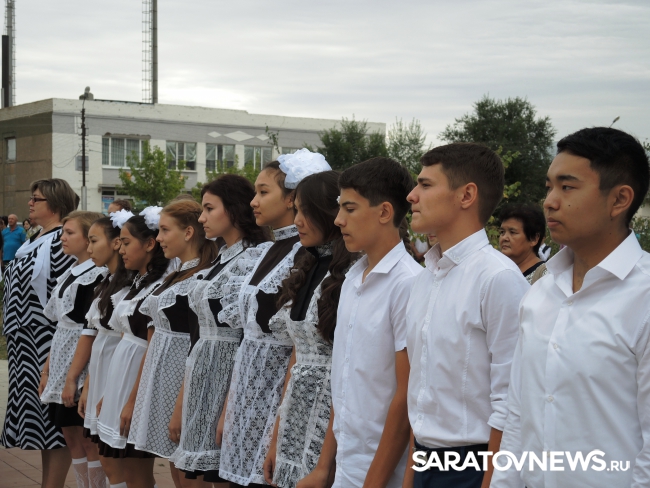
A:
[325,355]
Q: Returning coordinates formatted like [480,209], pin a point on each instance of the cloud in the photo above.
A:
[580,62]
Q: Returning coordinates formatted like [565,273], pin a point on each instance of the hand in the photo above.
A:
[98,408]
[125,419]
[81,406]
[175,424]
[42,384]
[69,392]
[318,478]
[220,430]
[269,464]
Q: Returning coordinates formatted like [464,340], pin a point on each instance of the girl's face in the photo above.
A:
[173,239]
[216,221]
[135,254]
[26,225]
[310,235]
[73,240]
[270,206]
[100,249]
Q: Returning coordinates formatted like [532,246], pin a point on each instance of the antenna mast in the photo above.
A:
[150,51]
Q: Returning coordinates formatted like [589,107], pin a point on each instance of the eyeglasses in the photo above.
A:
[35,199]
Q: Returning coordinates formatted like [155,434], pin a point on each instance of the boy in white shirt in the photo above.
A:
[461,317]
[368,433]
[580,375]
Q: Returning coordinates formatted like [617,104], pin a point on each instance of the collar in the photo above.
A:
[285,232]
[80,269]
[455,255]
[387,263]
[321,251]
[227,253]
[192,263]
[619,262]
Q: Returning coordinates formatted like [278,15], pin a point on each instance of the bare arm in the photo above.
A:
[320,476]
[395,436]
[44,376]
[493,445]
[176,420]
[269,462]
[81,407]
[79,362]
[409,473]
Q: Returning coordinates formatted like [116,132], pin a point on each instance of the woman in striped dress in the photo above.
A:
[29,280]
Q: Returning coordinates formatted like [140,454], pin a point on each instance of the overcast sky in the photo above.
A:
[580,62]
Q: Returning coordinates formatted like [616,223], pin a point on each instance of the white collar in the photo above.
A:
[455,254]
[227,253]
[285,232]
[80,269]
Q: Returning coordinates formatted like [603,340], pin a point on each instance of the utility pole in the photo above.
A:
[8,56]
[154,54]
[84,191]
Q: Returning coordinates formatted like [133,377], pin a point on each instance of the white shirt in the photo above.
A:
[462,329]
[581,372]
[371,327]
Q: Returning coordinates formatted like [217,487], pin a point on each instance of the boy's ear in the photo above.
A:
[386,213]
[468,195]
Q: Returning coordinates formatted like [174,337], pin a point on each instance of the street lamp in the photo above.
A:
[84,192]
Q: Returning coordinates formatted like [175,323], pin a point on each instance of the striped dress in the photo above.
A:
[29,335]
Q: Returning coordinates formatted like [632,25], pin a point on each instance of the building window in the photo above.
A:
[182,151]
[257,156]
[77,163]
[117,151]
[219,156]
[11,149]
[289,150]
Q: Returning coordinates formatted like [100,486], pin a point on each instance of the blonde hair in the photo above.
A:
[85,219]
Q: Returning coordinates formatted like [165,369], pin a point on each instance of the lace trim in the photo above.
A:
[56,307]
[125,308]
[192,263]
[227,253]
[154,305]
[285,232]
[324,250]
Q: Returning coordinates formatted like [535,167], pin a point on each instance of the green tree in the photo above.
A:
[512,124]
[406,143]
[151,181]
[350,143]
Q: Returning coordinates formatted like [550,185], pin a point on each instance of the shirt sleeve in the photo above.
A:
[641,473]
[500,314]
[511,440]
[400,295]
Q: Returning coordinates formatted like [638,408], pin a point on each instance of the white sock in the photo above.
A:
[119,485]
[96,475]
[80,467]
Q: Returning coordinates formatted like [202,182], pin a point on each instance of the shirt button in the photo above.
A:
[350,326]
[347,360]
[420,416]
[358,293]
[569,303]
[427,318]
[555,346]
[550,399]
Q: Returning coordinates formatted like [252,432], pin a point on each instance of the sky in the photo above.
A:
[580,62]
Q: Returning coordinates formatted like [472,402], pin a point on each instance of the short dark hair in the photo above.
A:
[617,157]
[531,218]
[123,204]
[381,180]
[466,162]
[60,197]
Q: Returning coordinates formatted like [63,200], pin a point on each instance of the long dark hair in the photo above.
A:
[121,277]
[186,213]
[159,263]
[318,202]
[236,193]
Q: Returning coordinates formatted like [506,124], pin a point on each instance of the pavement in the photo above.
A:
[22,469]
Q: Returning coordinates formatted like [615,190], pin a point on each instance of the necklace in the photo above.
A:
[138,279]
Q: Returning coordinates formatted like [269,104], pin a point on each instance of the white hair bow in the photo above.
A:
[301,164]
[151,216]
[120,217]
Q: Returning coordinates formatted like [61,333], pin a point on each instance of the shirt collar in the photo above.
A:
[80,269]
[384,266]
[227,253]
[192,263]
[285,232]
[619,262]
[456,254]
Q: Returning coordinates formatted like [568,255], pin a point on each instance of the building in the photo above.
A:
[42,140]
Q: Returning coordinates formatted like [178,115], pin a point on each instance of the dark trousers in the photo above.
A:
[434,478]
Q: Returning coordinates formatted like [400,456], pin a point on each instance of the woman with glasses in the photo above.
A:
[29,280]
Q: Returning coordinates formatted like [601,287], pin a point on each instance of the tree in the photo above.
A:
[150,180]
[406,143]
[350,144]
[513,125]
